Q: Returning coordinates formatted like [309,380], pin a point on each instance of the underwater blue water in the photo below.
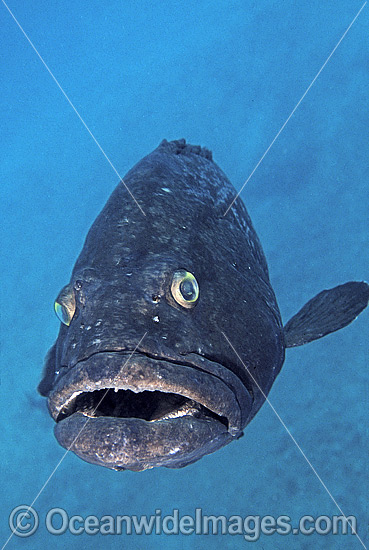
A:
[226,75]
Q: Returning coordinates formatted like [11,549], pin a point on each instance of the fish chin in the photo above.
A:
[145,412]
[136,444]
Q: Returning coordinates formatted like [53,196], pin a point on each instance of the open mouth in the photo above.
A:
[147,405]
[138,412]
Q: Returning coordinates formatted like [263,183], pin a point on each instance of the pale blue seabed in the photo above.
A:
[225,75]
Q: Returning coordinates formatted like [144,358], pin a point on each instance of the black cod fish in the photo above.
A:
[171,336]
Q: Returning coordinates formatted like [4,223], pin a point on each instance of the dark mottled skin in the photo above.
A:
[128,259]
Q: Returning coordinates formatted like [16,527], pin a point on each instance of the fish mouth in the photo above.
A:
[127,410]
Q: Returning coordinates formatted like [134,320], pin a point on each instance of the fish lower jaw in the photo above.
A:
[136,444]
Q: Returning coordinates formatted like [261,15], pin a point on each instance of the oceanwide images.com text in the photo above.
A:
[25,521]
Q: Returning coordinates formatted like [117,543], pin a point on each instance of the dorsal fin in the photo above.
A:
[180,147]
[328,311]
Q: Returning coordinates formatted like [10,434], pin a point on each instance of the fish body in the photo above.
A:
[171,336]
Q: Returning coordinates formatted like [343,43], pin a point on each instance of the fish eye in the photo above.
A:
[65,305]
[184,288]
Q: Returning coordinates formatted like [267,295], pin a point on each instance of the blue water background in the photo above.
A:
[225,75]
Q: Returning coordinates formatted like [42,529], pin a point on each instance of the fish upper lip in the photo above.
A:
[208,388]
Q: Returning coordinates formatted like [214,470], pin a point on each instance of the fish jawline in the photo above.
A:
[209,417]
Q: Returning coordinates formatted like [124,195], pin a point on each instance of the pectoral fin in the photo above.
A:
[328,311]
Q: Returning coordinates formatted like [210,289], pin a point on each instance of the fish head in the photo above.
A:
[141,374]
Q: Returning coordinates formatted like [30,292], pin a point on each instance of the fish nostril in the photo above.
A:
[155,298]
[78,285]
